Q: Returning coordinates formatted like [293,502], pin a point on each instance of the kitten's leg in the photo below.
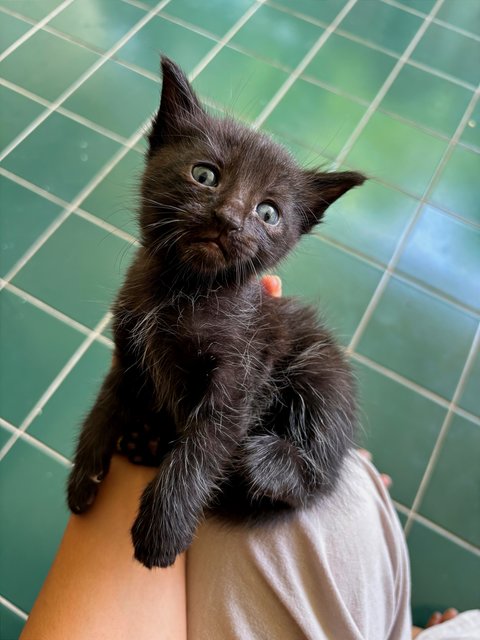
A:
[173,503]
[97,441]
[299,452]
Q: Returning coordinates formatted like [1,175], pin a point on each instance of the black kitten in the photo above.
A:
[247,398]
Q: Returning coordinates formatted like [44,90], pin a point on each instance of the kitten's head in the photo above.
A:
[222,200]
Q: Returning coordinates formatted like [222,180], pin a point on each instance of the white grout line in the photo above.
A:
[438,21]
[51,311]
[406,233]
[35,442]
[81,213]
[28,34]
[57,381]
[226,38]
[387,84]
[413,386]
[107,226]
[13,608]
[444,429]
[396,377]
[302,65]
[445,533]
[413,282]
[33,187]
[64,112]
[82,79]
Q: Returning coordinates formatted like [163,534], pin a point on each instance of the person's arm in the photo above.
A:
[95,589]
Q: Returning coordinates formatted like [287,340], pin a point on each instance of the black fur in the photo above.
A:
[247,401]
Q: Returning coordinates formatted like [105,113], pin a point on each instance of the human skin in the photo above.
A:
[95,588]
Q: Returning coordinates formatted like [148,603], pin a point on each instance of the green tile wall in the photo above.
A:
[394,268]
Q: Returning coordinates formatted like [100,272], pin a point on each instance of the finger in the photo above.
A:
[387,480]
[365,454]
[434,619]
[272,285]
[449,614]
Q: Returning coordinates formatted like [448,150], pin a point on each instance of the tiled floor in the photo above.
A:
[385,86]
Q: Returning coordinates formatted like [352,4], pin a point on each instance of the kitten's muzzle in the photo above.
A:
[229,220]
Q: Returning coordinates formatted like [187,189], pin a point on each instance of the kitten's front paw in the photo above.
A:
[82,489]
[157,537]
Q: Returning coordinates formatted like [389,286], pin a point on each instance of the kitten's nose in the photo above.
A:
[229,219]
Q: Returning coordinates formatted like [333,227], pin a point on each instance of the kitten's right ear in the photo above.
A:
[179,106]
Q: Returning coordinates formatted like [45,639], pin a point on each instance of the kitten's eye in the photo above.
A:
[268,213]
[205,175]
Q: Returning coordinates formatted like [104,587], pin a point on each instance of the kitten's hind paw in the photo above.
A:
[82,490]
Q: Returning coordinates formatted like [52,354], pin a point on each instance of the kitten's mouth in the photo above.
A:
[214,243]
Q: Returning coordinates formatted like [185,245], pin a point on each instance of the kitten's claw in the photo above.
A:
[82,490]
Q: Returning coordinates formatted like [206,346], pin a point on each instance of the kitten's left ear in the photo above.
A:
[179,106]
[322,189]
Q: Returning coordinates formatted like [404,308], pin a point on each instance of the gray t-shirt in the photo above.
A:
[338,570]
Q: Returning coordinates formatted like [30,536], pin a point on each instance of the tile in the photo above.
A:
[92,261]
[215,16]
[115,200]
[443,574]
[444,253]
[315,117]
[11,29]
[451,499]
[34,347]
[240,83]
[75,155]
[59,423]
[116,98]
[458,188]
[325,11]
[401,441]
[11,625]
[402,518]
[425,6]
[370,219]
[277,36]
[306,157]
[470,398]
[46,65]
[438,104]
[34,515]
[24,216]
[161,36]
[4,438]
[420,337]
[361,77]
[397,153]
[382,24]
[471,133]
[450,52]
[464,14]
[16,113]
[99,24]
[338,284]
[32,8]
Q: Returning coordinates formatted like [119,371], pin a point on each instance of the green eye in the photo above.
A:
[268,213]
[205,175]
